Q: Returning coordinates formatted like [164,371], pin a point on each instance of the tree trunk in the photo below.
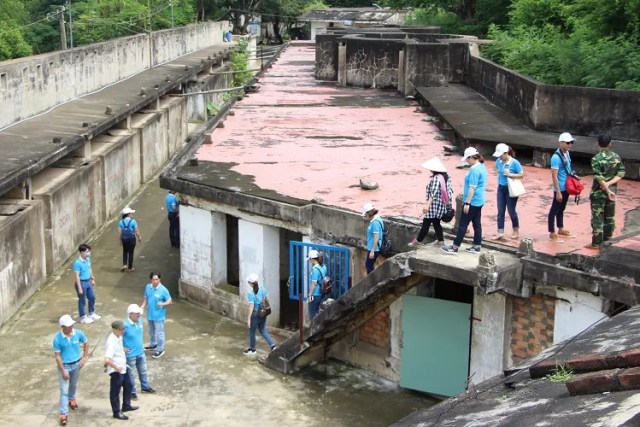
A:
[276,29]
[468,10]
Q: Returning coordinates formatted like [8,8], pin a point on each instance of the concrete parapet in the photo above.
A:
[73,208]
[35,84]
[22,253]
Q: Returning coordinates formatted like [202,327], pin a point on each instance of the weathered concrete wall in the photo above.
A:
[575,312]
[22,255]
[505,88]
[197,110]
[372,62]
[34,84]
[327,57]
[154,149]
[426,65]
[120,162]
[588,111]
[73,207]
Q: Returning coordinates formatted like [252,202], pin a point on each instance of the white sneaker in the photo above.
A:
[95,316]
[86,320]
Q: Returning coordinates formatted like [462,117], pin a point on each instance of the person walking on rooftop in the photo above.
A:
[156,299]
[608,170]
[375,232]
[257,296]
[132,340]
[560,170]
[115,362]
[436,207]
[69,360]
[318,272]
[85,283]
[173,209]
[127,232]
[508,167]
[473,197]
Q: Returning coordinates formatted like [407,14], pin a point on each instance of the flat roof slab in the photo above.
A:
[313,140]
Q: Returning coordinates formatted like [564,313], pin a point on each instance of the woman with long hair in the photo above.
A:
[435,207]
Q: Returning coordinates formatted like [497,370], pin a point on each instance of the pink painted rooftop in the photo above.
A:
[308,139]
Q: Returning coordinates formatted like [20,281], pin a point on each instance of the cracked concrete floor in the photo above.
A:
[203,378]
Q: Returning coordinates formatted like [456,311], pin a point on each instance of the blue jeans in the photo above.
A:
[506,203]
[556,213]
[119,381]
[258,323]
[156,331]
[474,217]
[68,387]
[369,264]
[88,293]
[314,306]
[140,363]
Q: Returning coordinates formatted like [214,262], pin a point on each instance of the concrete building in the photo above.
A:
[253,195]
[321,20]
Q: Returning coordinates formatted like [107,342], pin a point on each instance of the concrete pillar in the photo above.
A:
[259,252]
[489,337]
[84,151]
[342,64]
[401,73]
[203,247]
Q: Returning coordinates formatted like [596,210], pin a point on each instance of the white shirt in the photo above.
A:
[115,352]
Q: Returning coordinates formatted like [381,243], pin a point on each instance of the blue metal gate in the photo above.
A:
[335,258]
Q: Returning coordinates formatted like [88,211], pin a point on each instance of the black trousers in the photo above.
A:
[128,246]
[174,229]
[120,381]
[437,227]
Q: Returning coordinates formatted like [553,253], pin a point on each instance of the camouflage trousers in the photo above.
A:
[603,220]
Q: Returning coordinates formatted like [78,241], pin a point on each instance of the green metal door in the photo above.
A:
[435,345]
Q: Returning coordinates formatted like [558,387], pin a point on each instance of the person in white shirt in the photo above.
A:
[115,362]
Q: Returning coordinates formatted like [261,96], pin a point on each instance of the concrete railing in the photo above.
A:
[32,85]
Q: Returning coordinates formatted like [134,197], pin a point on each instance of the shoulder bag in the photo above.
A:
[450,212]
[265,309]
[515,185]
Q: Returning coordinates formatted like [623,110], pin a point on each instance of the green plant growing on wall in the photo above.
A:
[212,109]
[560,374]
[240,64]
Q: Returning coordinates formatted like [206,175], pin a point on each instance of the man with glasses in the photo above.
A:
[560,170]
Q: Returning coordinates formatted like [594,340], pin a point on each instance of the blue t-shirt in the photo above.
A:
[154,296]
[129,223]
[133,337]
[170,201]
[514,166]
[257,298]
[69,347]
[317,274]
[83,268]
[375,226]
[476,177]
[556,163]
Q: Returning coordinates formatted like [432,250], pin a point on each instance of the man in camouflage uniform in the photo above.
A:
[608,169]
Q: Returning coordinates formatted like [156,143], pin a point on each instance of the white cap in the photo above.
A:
[566,137]
[434,165]
[501,149]
[66,320]
[134,308]
[313,254]
[367,207]
[253,278]
[127,211]
[470,151]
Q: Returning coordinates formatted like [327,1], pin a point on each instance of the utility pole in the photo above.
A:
[63,33]
[171,3]
[70,27]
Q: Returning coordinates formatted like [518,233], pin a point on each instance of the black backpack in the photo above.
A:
[385,245]
[127,233]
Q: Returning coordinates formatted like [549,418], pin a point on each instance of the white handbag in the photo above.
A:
[516,187]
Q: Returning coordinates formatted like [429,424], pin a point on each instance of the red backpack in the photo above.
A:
[573,184]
